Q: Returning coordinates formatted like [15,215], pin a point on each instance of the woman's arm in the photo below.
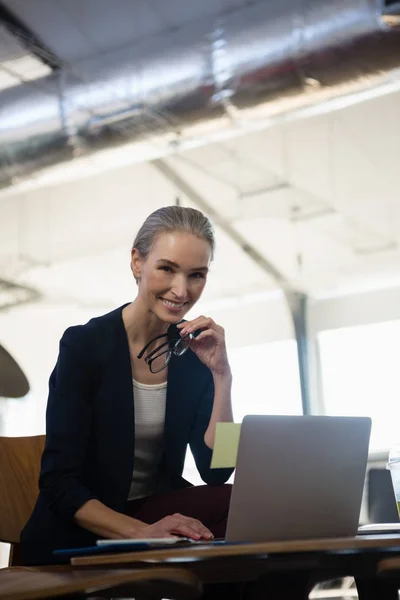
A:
[68,424]
[222,406]
[112,525]
[209,346]
[215,406]
[201,451]
[107,523]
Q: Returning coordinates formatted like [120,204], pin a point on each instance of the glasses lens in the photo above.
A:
[158,363]
[183,344]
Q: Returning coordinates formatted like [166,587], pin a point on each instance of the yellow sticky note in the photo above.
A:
[226,445]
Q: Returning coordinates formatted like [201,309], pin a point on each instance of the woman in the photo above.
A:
[130,390]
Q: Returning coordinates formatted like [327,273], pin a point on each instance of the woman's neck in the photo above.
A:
[140,324]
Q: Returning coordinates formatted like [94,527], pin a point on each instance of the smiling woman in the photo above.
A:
[175,273]
[129,392]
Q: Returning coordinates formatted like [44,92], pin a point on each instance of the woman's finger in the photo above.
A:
[207,333]
[199,323]
[217,329]
[185,531]
[193,524]
[198,525]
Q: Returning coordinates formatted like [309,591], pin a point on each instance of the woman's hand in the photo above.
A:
[108,523]
[209,345]
[176,524]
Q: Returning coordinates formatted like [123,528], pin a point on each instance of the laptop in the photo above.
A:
[298,477]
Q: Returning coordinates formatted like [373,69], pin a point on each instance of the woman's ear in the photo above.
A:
[136,263]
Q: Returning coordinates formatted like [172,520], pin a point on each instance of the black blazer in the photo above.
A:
[89,450]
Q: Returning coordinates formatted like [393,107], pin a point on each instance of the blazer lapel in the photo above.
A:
[114,411]
[175,393]
[124,385]
[123,402]
[179,411]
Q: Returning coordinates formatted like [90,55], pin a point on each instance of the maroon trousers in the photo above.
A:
[208,504]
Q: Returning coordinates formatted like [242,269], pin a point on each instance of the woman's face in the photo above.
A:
[172,277]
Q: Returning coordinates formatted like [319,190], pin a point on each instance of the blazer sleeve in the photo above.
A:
[201,452]
[68,422]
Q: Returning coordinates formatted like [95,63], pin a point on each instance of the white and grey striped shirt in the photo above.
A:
[150,401]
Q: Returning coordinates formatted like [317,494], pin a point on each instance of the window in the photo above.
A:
[361,376]
[265,382]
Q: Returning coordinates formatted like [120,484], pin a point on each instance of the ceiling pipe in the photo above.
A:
[288,52]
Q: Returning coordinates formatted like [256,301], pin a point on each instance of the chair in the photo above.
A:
[382,507]
[152,583]
[19,474]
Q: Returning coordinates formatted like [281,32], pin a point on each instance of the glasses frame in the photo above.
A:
[164,348]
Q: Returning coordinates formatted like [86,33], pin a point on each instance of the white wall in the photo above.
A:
[31,334]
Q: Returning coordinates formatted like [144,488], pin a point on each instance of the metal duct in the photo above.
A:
[265,51]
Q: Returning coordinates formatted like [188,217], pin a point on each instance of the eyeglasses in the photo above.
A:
[158,359]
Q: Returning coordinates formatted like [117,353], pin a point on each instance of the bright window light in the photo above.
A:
[361,376]
[265,382]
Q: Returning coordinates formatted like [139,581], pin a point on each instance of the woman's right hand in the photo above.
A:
[176,524]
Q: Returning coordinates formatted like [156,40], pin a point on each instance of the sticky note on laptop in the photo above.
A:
[226,445]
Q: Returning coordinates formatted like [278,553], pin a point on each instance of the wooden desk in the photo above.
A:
[269,563]
[24,583]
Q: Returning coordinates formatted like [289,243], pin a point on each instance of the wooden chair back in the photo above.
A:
[19,474]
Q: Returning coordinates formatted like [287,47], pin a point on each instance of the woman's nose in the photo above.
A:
[179,287]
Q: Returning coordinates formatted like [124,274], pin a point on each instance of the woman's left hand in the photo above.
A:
[209,344]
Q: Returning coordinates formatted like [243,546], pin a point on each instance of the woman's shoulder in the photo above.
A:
[96,333]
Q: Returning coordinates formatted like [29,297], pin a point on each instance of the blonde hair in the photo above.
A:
[170,219]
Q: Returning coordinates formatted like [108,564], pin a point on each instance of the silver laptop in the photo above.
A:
[298,477]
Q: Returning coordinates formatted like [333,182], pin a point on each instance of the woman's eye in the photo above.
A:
[198,275]
[166,269]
